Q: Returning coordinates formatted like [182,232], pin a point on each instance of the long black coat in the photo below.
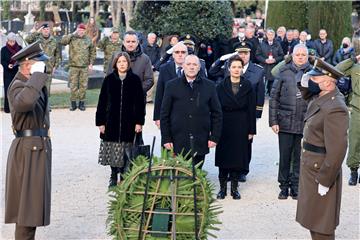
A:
[325,50]
[121,106]
[8,74]
[195,111]
[263,52]
[239,120]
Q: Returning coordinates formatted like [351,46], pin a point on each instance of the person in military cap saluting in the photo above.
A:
[28,169]
[82,54]
[50,46]
[323,150]
[109,45]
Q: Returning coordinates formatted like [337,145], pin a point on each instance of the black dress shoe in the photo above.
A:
[242,178]
[294,194]
[284,194]
[353,177]
[221,195]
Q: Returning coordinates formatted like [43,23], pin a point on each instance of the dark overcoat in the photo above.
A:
[120,107]
[326,125]
[28,170]
[239,120]
[195,111]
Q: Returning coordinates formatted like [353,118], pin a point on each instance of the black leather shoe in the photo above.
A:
[242,178]
[294,194]
[73,106]
[284,194]
[353,177]
[234,191]
[223,189]
[82,106]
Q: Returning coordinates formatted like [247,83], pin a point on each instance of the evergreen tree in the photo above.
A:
[6,14]
[334,17]
[42,10]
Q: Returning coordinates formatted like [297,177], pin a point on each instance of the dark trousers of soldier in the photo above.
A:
[24,233]
[289,164]
[233,173]
[78,83]
[320,236]
[353,159]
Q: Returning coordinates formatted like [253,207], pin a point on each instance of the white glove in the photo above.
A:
[37,67]
[227,56]
[322,190]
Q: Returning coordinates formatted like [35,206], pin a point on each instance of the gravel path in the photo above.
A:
[79,198]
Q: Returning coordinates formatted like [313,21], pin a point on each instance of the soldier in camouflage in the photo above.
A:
[81,57]
[49,46]
[109,45]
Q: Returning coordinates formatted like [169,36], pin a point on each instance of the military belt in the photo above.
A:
[32,133]
[313,148]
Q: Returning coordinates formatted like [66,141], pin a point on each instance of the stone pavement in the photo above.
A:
[79,187]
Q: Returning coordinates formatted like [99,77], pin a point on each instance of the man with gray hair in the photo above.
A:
[190,109]
[286,118]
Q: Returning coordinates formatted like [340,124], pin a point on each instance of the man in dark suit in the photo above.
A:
[167,72]
[253,73]
[191,108]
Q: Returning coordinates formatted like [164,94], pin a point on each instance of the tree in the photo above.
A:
[204,19]
[42,10]
[335,17]
[6,9]
[291,14]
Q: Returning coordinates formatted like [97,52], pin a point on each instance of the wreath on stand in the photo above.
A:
[160,201]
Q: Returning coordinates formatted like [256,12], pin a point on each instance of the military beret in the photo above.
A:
[45,25]
[242,47]
[81,26]
[321,68]
[31,52]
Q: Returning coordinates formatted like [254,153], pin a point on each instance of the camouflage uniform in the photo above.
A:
[81,54]
[350,67]
[109,48]
[50,47]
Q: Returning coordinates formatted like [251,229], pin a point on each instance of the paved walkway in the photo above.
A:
[79,198]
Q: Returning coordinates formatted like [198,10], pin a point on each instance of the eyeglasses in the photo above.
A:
[178,52]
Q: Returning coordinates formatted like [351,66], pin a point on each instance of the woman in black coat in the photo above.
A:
[10,69]
[120,114]
[237,100]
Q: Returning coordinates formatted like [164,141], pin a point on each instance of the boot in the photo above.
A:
[73,106]
[82,106]
[353,177]
[223,188]
[234,190]
[113,177]
[284,194]
[294,193]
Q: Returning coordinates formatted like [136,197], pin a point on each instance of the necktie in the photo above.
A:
[178,72]
[191,83]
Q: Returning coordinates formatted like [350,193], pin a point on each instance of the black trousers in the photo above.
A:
[289,164]
[224,173]
[24,233]
[269,86]
[199,158]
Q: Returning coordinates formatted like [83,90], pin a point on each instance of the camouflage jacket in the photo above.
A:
[50,47]
[350,68]
[81,50]
[109,48]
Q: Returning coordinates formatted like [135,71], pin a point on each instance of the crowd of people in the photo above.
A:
[197,105]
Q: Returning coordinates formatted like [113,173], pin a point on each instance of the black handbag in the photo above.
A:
[138,147]
[112,153]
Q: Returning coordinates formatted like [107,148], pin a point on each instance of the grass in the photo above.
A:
[62,100]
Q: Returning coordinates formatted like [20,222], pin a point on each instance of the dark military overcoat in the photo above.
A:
[326,125]
[28,170]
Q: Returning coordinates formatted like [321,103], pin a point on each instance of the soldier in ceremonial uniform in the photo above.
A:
[110,45]
[50,46]
[82,54]
[28,170]
[323,151]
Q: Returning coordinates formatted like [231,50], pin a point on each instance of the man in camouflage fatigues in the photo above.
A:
[81,57]
[50,47]
[109,45]
[351,67]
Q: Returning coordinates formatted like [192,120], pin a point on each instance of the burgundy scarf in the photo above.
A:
[13,49]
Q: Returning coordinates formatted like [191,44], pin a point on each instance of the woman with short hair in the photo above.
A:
[120,114]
